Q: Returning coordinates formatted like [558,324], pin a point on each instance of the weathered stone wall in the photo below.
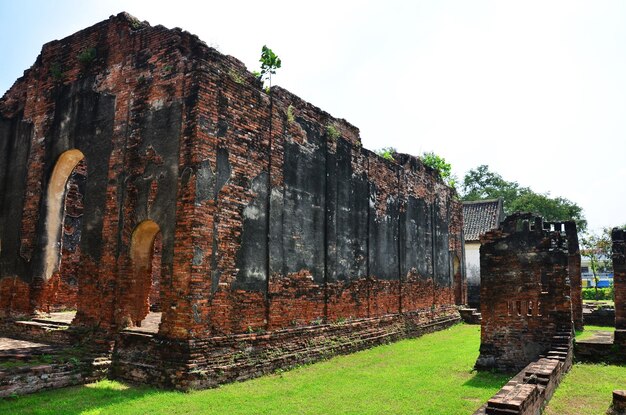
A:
[525,290]
[257,230]
[29,379]
[574,273]
[619,285]
[222,359]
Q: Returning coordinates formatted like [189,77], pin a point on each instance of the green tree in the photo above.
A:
[598,247]
[551,209]
[270,62]
[481,183]
[440,164]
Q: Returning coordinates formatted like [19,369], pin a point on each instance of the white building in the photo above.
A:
[479,217]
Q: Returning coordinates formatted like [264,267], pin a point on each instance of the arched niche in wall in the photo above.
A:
[55,209]
[457,280]
[145,256]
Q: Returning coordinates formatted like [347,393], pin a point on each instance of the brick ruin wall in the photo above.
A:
[526,290]
[619,285]
[255,231]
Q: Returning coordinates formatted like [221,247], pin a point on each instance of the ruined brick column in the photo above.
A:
[525,291]
[619,284]
[574,274]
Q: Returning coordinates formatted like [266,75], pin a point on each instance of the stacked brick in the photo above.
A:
[526,290]
[619,286]
[270,213]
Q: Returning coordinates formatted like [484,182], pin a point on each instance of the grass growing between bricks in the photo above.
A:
[587,389]
[429,375]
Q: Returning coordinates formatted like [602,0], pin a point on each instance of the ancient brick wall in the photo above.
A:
[525,290]
[573,268]
[266,212]
[619,285]
[222,359]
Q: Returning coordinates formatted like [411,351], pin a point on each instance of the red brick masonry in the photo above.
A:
[185,203]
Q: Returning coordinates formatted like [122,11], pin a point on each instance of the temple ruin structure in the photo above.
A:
[530,280]
[619,286]
[142,171]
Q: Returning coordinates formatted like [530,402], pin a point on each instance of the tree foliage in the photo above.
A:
[598,248]
[387,152]
[429,159]
[481,183]
[440,164]
[270,62]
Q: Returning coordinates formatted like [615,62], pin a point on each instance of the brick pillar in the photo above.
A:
[525,291]
[619,284]
[574,274]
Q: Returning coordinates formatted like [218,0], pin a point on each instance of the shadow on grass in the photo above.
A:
[77,399]
[488,380]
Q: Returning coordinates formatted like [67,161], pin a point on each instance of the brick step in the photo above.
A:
[50,322]
[510,398]
[538,381]
[43,326]
[27,353]
[501,411]
[559,358]
[136,363]
[562,337]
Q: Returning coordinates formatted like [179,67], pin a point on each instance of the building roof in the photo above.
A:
[481,216]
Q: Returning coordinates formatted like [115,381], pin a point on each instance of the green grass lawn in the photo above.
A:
[429,375]
[590,330]
[586,390]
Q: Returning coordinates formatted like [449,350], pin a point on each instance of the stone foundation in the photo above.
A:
[209,362]
[30,379]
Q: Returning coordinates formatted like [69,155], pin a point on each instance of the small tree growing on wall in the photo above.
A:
[270,62]
[440,164]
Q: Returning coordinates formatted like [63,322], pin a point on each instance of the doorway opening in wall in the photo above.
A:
[64,224]
[457,280]
[145,254]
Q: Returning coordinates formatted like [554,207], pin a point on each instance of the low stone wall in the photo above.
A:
[470,315]
[35,331]
[601,348]
[29,379]
[198,364]
[529,391]
[599,316]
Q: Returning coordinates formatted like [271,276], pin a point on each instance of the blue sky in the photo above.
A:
[534,89]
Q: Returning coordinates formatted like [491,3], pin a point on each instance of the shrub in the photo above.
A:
[87,56]
[603,294]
